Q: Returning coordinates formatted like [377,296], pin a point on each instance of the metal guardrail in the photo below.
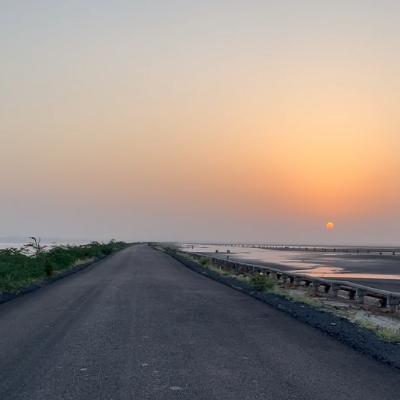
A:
[391,299]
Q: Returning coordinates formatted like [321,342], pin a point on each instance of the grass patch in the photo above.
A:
[207,262]
[19,268]
[260,282]
[264,283]
[219,271]
[388,334]
[304,298]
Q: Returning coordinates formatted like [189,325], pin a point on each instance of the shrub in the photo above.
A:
[21,267]
[262,282]
[48,267]
[204,261]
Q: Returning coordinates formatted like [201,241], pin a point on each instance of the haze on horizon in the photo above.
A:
[244,121]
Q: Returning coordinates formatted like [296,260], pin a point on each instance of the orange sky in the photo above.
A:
[250,122]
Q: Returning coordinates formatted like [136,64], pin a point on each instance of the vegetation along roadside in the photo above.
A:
[34,264]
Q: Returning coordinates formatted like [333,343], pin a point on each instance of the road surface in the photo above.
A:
[139,325]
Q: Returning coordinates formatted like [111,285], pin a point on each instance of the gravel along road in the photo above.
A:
[140,325]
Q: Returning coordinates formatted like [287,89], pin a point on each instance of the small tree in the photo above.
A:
[36,246]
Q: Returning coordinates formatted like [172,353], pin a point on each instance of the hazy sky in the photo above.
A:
[201,120]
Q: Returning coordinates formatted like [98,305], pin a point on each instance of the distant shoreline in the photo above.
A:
[309,247]
[303,245]
[24,240]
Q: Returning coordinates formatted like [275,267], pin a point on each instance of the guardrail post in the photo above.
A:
[316,284]
[361,294]
[335,289]
[297,280]
[393,303]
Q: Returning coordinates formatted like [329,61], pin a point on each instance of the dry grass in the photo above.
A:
[306,299]
[388,334]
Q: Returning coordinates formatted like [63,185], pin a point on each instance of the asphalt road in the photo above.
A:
[139,325]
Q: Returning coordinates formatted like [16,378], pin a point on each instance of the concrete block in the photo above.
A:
[361,294]
[393,303]
[335,289]
[316,284]
[297,280]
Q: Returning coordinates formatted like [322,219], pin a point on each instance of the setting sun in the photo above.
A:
[330,225]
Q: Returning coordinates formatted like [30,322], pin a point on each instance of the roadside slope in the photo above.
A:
[141,325]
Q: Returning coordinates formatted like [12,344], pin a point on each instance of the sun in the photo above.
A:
[330,225]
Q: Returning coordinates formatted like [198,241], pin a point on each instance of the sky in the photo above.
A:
[244,121]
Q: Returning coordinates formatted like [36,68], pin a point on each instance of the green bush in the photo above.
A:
[204,261]
[19,268]
[262,282]
[170,250]
[48,267]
